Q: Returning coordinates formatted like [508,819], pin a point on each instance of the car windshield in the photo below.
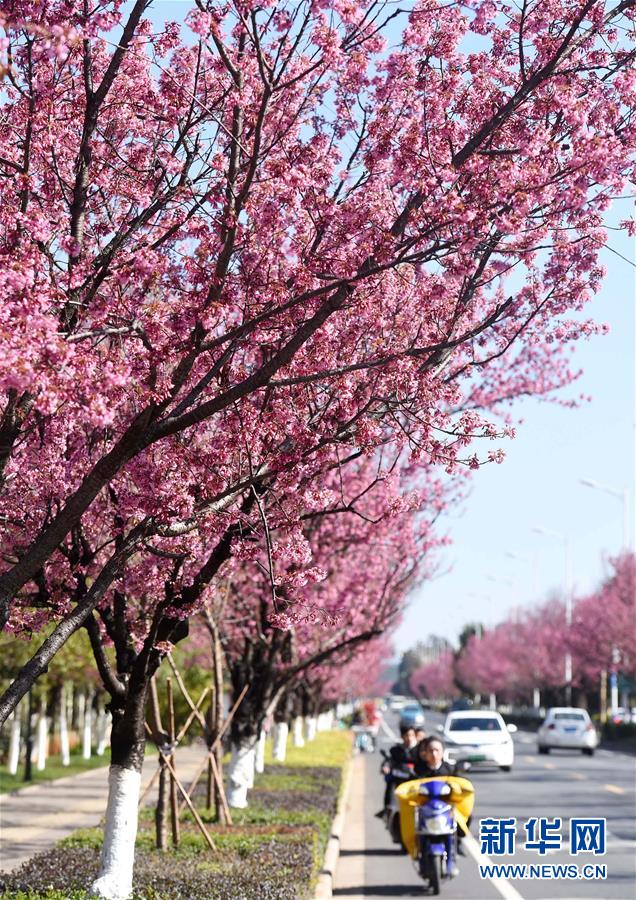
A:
[578,717]
[411,709]
[476,724]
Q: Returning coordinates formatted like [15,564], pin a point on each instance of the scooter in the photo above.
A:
[430,811]
[436,831]
[395,776]
[364,739]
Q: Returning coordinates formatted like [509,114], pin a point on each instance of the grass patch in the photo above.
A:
[330,748]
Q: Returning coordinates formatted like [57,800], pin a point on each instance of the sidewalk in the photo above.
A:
[34,818]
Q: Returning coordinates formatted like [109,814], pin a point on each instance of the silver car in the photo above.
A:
[568,728]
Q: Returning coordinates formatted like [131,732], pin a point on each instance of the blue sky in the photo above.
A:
[539,483]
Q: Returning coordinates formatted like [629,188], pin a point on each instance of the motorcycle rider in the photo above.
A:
[401,755]
[429,759]
[429,762]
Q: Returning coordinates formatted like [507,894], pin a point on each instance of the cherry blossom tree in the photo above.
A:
[238,258]
[522,653]
[369,547]
[602,632]
[284,229]
[436,679]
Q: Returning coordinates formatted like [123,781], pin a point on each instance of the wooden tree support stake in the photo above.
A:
[174,806]
[192,716]
[218,739]
[197,817]
[219,781]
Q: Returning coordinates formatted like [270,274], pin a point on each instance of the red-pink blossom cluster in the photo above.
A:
[240,258]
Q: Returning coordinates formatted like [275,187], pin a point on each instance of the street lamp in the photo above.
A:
[621,494]
[568,601]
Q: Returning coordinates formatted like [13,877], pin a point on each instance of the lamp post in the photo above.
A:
[533,562]
[621,494]
[568,601]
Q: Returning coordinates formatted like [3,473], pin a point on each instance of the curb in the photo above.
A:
[324,884]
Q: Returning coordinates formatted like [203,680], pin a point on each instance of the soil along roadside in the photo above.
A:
[274,850]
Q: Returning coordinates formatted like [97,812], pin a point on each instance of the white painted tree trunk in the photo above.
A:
[493,701]
[101,730]
[279,750]
[299,740]
[42,739]
[114,881]
[87,730]
[14,743]
[329,715]
[81,709]
[310,728]
[65,750]
[259,765]
[241,773]
[536,698]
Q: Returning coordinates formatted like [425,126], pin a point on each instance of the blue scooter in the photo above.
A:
[436,834]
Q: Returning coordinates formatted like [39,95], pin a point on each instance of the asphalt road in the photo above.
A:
[564,784]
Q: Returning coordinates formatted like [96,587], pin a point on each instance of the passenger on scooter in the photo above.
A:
[402,753]
[401,756]
[429,759]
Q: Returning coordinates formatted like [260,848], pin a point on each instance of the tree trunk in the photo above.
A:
[28,748]
[87,731]
[127,743]
[259,764]
[79,712]
[161,811]
[299,740]
[241,772]
[14,742]
[101,728]
[42,741]
[310,728]
[279,751]
[58,714]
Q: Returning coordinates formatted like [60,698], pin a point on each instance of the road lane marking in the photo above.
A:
[549,766]
[507,891]
[388,730]
[577,776]
[530,759]
[614,789]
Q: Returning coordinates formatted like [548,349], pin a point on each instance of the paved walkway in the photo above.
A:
[34,818]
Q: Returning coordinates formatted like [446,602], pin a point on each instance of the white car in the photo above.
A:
[480,737]
[397,702]
[569,728]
